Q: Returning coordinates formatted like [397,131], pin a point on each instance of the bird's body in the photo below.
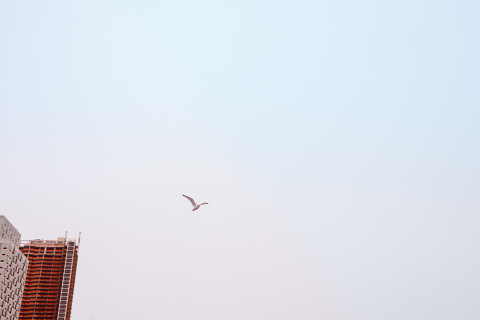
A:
[195,206]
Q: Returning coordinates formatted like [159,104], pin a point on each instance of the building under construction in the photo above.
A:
[48,291]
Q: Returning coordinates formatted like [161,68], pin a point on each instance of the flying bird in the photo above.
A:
[195,206]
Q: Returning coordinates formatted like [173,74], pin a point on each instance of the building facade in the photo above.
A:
[13,271]
[50,281]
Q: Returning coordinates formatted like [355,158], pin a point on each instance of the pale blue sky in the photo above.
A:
[337,143]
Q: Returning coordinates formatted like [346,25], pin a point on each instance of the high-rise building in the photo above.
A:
[13,270]
[52,267]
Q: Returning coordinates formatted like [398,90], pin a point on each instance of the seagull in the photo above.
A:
[195,206]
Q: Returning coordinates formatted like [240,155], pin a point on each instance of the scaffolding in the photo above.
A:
[66,282]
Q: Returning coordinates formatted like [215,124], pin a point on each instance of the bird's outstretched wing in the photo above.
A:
[191,200]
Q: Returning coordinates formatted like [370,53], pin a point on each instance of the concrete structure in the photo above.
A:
[48,292]
[13,271]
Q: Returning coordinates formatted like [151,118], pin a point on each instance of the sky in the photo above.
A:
[336,142]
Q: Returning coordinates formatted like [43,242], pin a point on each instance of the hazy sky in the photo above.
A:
[337,143]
